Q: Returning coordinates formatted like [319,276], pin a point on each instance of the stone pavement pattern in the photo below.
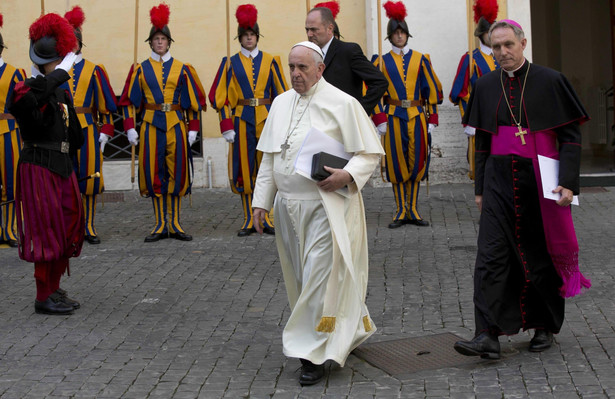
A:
[204,319]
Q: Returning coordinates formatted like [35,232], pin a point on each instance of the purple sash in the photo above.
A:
[560,236]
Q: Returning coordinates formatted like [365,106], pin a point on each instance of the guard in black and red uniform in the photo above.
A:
[48,203]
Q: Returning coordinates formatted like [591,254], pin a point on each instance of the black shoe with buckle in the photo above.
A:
[181,236]
[156,237]
[542,341]
[419,222]
[92,239]
[484,345]
[53,305]
[69,301]
[311,373]
[398,223]
[246,232]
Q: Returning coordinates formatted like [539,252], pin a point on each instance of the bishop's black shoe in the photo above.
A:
[52,306]
[69,301]
[484,345]
[542,341]
[181,236]
[311,373]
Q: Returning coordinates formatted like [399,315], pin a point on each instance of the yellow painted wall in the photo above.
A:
[198,28]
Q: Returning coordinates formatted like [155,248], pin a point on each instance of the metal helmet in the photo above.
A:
[396,12]
[485,14]
[247,15]
[2,46]
[76,17]
[159,16]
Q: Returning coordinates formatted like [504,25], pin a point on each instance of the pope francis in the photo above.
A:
[321,236]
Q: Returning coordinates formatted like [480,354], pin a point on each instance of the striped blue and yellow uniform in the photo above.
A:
[245,78]
[170,96]
[10,147]
[463,84]
[407,143]
[94,101]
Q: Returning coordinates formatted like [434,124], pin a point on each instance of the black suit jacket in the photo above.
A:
[346,68]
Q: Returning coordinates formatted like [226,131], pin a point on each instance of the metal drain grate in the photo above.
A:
[406,356]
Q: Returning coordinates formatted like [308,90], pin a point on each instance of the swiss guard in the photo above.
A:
[472,68]
[94,102]
[242,93]
[10,146]
[410,110]
[170,98]
[48,203]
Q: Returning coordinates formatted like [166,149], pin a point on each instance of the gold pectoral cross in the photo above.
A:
[520,134]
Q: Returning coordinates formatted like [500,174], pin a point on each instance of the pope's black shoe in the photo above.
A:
[156,237]
[53,306]
[484,345]
[92,239]
[398,223]
[542,341]
[311,373]
[181,236]
[269,230]
[419,222]
[246,232]
[69,301]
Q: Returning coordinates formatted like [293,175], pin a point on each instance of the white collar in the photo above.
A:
[1,62]
[165,57]
[248,53]
[401,50]
[325,48]
[486,49]
[511,74]
[79,58]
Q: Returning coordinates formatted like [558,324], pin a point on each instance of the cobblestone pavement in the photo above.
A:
[204,318]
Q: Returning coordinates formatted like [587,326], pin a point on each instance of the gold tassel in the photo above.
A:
[327,324]
[366,324]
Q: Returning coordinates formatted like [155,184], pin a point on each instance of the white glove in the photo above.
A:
[35,72]
[470,131]
[430,128]
[67,62]
[192,136]
[229,136]
[102,139]
[382,128]
[133,137]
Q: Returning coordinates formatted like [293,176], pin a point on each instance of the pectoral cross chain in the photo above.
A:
[520,134]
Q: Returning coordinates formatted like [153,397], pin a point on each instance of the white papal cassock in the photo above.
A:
[321,237]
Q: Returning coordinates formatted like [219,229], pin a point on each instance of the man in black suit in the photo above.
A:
[345,64]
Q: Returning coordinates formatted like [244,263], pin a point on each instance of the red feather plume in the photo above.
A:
[75,17]
[334,6]
[395,10]
[487,9]
[246,15]
[54,25]
[160,15]
[1,20]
